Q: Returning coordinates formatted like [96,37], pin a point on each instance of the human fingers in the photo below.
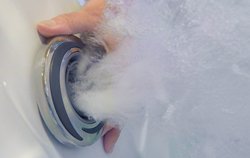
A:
[85,20]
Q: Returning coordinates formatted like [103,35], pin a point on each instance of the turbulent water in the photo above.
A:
[181,67]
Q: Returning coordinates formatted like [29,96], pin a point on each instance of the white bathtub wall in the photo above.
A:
[22,131]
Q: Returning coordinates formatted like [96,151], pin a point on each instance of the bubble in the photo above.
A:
[181,64]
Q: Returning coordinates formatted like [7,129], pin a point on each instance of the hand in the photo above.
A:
[84,20]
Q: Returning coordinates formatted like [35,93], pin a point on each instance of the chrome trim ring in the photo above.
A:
[66,124]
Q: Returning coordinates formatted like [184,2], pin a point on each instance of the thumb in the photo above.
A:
[85,20]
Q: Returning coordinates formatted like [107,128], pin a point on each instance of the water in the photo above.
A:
[180,77]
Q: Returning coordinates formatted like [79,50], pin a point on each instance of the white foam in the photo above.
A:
[184,62]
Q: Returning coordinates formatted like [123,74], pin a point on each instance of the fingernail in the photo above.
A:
[48,23]
[110,149]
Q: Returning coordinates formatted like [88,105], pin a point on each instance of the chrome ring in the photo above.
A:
[63,120]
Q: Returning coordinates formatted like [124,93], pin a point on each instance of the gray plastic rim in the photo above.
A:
[59,115]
